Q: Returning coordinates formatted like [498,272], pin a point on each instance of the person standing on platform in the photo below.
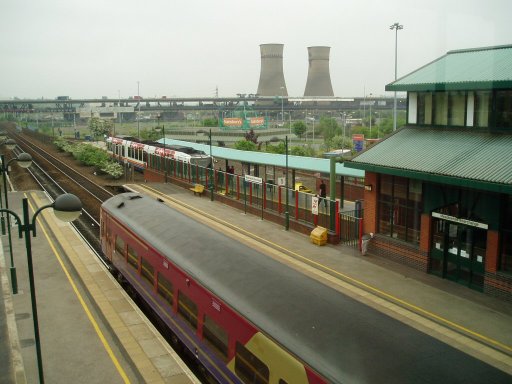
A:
[322,192]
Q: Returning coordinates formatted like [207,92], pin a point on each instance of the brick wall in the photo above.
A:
[400,252]
[425,230]
[370,204]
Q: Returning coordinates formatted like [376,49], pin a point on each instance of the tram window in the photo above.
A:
[119,245]
[249,368]
[187,309]
[133,258]
[147,271]
[164,288]
[216,336]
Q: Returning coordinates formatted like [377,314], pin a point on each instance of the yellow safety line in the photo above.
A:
[95,325]
[351,279]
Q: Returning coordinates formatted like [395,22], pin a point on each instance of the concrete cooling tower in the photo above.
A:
[319,78]
[271,74]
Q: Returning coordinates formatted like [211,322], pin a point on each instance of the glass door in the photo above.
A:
[458,252]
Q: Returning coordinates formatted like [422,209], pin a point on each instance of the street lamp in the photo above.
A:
[211,168]
[282,106]
[67,207]
[286,213]
[370,115]
[24,160]
[138,115]
[396,27]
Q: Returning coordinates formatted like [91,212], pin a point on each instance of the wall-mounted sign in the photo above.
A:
[460,220]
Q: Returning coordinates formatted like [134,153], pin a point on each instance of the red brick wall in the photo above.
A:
[492,252]
[425,229]
[370,203]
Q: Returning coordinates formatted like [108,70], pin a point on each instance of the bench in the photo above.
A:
[197,188]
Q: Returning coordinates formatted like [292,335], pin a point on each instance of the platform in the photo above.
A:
[90,330]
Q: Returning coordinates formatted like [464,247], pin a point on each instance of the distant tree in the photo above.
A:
[299,128]
[251,136]
[100,127]
[210,122]
[278,148]
[245,145]
[329,127]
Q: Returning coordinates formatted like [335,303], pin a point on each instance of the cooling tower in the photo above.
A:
[271,74]
[319,78]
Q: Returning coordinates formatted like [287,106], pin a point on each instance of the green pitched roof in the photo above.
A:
[464,157]
[468,69]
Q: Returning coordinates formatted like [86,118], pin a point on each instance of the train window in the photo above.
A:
[281,381]
[133,258]
[249,368]
[119,245]
[164,288]
[147,271]
[187,309]
[216,336]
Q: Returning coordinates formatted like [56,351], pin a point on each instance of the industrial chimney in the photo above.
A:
[271,74]
[319,78]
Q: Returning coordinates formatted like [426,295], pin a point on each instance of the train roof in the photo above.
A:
[341,338]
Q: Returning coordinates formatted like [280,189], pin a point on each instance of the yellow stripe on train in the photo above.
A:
[280,363]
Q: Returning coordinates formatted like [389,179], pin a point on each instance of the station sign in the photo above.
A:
[253,179]
[314,205]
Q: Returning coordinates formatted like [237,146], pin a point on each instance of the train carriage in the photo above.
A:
[129,150]
[250,319]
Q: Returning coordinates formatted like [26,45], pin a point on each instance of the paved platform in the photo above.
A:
[468,320]
[90,330]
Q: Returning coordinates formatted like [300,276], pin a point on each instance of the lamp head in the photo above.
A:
[67,207]
[24,160]
[10,144]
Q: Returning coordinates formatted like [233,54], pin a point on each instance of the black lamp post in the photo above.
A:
[286,213]
[67,207]
[24,160]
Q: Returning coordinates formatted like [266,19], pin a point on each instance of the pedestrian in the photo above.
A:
[322,192]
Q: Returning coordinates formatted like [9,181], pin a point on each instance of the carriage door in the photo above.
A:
[458,250]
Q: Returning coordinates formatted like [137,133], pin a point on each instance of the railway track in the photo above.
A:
[55,177]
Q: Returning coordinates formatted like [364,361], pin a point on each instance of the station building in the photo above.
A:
[438,192]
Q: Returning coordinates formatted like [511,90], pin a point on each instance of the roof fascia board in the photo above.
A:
[440,179]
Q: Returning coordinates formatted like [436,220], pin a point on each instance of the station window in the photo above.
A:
[187,309]
[400,207]
[440,108]
[120,245]
[249,368]
[216,336]
[482,108]
[133,258]
[164,288]
[457,108]
[147,271]
[503,109]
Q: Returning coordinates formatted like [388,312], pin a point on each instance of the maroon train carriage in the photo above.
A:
[250,319]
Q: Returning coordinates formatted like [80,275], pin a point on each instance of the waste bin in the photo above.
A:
[318,236]
[365,240]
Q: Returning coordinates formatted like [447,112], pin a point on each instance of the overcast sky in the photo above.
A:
[94,48]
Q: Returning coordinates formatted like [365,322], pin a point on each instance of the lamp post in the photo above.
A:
[395,27]
[286,213]
[282,106]
[24,160]
[370,115]
[138,114]
[67,207]
[211,167]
